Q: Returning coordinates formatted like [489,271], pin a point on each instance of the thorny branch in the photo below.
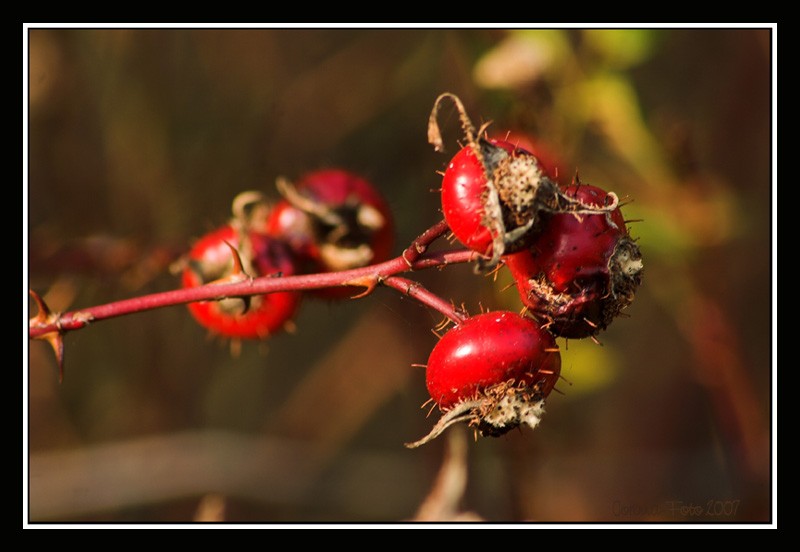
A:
[413,258]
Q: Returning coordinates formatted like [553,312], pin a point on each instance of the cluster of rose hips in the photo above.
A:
[572,259]
[574,264]
[331,220]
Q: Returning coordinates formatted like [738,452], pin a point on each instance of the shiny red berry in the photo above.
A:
[493,194]
[212,260]
[333,220]
[582,270]
[494,371]
[494,203]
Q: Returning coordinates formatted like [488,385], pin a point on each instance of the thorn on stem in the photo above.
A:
[237,259]
[369,283]
[44,310]
[45,317]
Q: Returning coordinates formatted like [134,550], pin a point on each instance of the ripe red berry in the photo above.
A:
[333,220]
[211,260]
[492,203]
[493,371]
[494,195]
[582,270]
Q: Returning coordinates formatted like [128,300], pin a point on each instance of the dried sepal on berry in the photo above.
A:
[494,412]
[554,167]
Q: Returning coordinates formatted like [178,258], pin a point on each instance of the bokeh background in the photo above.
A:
[140,139]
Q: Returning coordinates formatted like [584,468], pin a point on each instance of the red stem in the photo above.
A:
[415,290]
[367,277]
[420,245]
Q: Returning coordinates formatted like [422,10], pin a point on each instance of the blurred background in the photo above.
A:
[140,139]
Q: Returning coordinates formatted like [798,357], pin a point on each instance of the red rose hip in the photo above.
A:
[333,220]
[493,371]
[582,270]
[493,193]
[492,196]
[211,260]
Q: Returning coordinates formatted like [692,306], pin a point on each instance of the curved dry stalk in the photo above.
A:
[435,134]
